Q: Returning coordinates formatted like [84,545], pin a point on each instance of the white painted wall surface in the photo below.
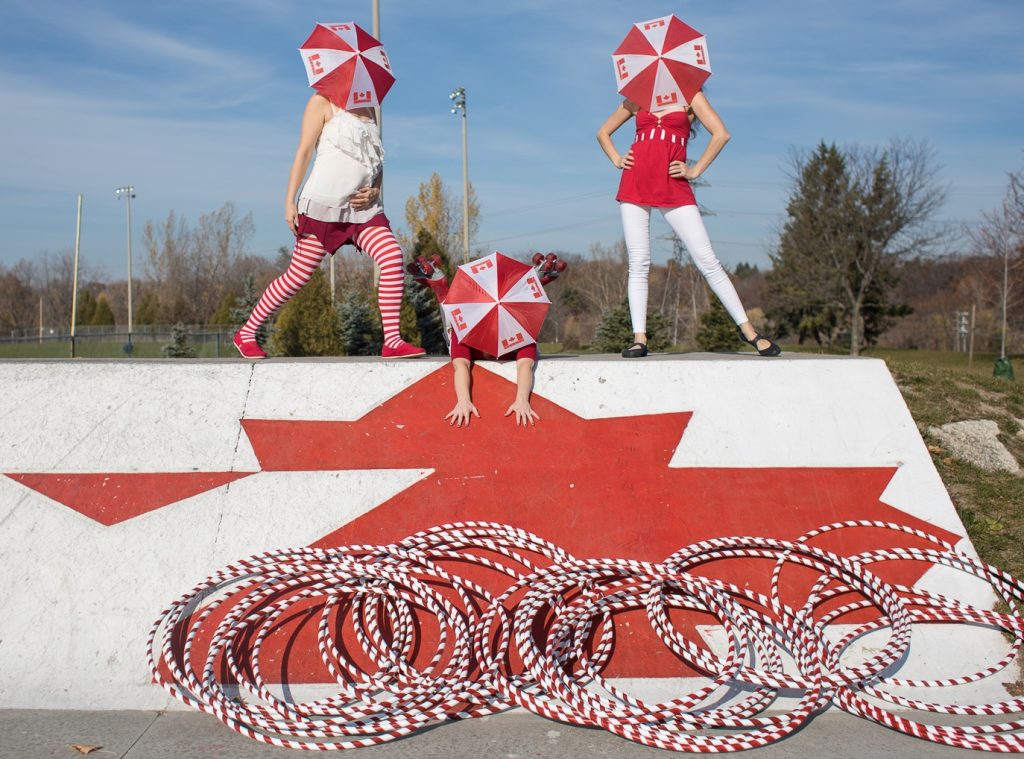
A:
[79,597]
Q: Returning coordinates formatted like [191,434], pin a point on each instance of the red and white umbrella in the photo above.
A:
[661,63]
[346,65]
[496,304]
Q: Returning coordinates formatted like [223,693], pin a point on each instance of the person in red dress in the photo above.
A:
[655,174]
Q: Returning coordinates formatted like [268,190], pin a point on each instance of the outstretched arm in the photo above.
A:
[464,408]
[524,386]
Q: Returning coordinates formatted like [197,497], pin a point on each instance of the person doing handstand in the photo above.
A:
[430,274]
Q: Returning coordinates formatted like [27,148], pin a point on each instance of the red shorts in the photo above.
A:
[333,234]
[458,350]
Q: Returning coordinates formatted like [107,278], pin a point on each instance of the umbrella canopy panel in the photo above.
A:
[496,304]
[661,63]
[347,65]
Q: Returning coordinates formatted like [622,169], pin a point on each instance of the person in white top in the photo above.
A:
[339,204]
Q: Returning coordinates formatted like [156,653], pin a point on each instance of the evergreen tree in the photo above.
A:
[179,346]
[148,310]
[803,293]
[427,323]
[878,314]
[854,217]
[361,334]
[615,331]
[244,304]
[85,308]
[717,331]
[407,316]
[103,315]
[308,324]
[222,317]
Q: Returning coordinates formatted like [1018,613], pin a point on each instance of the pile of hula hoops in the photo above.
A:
[543,641]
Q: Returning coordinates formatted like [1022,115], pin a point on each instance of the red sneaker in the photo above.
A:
[248,348]
[402,350]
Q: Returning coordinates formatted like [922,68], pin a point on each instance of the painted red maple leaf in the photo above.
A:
[597,487]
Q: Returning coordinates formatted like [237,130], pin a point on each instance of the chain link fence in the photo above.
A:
[145,341]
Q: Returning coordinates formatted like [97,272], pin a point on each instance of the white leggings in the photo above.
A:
[687,223]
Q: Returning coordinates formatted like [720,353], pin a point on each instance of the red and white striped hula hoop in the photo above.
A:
[540,631]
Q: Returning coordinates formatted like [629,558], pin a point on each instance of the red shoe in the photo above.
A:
[248,348]
[402,350]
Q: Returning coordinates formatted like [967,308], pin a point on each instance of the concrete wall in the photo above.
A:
[128,482]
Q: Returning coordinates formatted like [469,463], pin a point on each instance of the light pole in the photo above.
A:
[380,109]
[128,192]
[1003,366]
[74,276]
[458,98]
[375,14]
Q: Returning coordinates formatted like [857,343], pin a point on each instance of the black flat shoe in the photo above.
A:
[771,350]
[636,350]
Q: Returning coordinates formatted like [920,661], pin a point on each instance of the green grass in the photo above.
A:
[942,387]
[989,503]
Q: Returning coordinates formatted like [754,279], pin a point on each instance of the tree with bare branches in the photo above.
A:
[604,287]
[999,243]
[17,298]
[436,210]
[192,268]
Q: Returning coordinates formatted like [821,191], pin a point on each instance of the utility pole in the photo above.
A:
[380,130]
[74,278]
[458,98]
[970,340]
[1003,367]
[376,35]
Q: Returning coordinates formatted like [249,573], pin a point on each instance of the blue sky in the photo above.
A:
[198,103]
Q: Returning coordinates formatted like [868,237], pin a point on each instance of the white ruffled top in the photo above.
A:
[349,156]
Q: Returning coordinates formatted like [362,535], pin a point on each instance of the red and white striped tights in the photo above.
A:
[377,242]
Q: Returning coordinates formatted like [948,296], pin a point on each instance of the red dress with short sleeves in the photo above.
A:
[658,141]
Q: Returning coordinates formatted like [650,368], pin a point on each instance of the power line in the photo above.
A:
[605,218]
[548,204]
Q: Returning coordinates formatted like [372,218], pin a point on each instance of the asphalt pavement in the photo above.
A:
[32,734]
